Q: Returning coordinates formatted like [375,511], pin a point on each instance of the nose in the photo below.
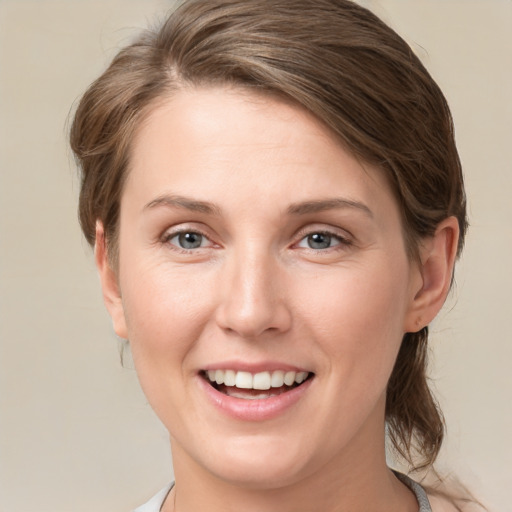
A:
[252,295]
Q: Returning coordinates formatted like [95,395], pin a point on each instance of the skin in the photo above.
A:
[255,291]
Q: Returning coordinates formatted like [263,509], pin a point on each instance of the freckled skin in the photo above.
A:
[255,290]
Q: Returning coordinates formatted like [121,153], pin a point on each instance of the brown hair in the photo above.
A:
[344,65]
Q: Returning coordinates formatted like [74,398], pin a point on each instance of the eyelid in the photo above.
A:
[179,229]
[344,236]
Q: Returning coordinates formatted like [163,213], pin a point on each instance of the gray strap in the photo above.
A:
[418,491]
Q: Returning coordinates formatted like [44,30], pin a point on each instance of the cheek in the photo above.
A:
[165,310]
[358,318]
[165,314]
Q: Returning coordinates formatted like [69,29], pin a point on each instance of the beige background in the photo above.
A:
[76,434]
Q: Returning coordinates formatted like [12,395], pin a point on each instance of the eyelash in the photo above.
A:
[168,236]
[342,241]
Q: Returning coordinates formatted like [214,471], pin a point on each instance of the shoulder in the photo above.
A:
[440,503]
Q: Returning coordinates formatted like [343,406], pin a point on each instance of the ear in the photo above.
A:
[109,284]
[435,269]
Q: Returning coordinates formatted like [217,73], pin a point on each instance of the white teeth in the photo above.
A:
[289,378]
[300,377]
[261,381]
[243,380]
[229,378]
[219,377]
[277,379]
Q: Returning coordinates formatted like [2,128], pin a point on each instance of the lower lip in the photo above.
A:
[254,410]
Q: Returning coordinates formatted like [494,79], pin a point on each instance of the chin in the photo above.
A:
[258,463]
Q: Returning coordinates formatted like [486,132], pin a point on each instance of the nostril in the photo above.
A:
[250,297]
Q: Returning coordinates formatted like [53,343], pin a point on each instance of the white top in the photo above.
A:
[156,502]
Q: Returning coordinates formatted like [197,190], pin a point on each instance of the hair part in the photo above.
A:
[341,63]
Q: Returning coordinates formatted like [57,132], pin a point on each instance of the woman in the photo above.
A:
[276,203]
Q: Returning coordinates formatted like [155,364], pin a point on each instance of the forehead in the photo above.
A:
[239,145]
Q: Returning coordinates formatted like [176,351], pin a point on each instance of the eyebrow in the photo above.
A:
[321,205]
[176,201]
[303,208]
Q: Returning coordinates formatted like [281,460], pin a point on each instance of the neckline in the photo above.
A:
[417,489]
[421,496]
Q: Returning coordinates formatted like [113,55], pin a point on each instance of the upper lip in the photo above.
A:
[263,366]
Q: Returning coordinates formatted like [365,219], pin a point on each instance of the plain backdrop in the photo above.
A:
[76,433]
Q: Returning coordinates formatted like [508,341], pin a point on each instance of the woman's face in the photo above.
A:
[254,250]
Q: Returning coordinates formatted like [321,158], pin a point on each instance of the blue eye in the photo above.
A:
[188,240]
[319,241]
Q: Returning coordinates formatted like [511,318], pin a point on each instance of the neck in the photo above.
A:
[358,480]
[386,495]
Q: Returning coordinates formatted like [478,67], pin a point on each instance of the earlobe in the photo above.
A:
[109,283]
[437,259]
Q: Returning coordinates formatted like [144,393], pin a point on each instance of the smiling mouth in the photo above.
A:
[257,386]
